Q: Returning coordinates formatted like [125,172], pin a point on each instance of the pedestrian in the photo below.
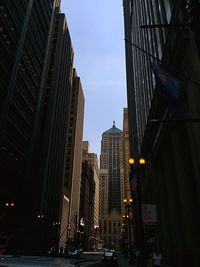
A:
[157,259]
[138,257]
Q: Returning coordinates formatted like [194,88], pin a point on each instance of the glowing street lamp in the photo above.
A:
[131,161]
[125,200]
[128,202]
[142,161]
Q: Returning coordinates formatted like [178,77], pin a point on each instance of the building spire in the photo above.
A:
[113,123]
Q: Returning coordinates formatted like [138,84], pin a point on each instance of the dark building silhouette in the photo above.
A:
[171,178]
[86,212]
[55,127]
[35,96]
[73,162]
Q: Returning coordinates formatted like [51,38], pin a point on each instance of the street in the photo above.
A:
[88,259]
[29,261]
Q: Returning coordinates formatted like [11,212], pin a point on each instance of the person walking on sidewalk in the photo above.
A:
[157,259]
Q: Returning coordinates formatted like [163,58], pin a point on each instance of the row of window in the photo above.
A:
[152,41]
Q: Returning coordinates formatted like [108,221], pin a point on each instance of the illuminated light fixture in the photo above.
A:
[142,161]
[12,204]
[123,216]
[127,216]
[125,200]
[7,204]
[39,216]
[130,200]
[131,161]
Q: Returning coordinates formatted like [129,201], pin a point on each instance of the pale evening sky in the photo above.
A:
[97,34]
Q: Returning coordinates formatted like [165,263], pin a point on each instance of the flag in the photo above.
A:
[166,82]
[170,87]
[133,182]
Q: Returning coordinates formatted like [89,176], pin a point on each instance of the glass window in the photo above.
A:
[167,10]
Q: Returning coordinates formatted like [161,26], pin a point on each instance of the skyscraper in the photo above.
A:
[171,149]
[93,161]
[25,37]
[111,185]
[140,82]
[73,159]
[126,154]
[41,125]
[54,134]
[86,212]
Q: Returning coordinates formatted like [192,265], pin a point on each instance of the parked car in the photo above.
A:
[2,249]
[73,253]
[110,258]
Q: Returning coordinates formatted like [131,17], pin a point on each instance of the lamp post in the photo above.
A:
[136,169]
[128,203]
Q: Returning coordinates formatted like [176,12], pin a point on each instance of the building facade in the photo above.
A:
[41,126]
[111,186]
[93,161]
[73,161]
[86,212]
[170,179]
[25,38]
[126,153]
[55,125]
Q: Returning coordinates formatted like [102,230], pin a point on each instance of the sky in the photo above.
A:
[97,33]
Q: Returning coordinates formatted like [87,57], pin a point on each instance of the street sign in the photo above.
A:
[149,214]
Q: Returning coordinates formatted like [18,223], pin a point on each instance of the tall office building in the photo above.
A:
[73,164]
[24,42]
[126,155]
[57,102]
[86,212]
[171,149]
[93,161]
[140,82]
[111,186]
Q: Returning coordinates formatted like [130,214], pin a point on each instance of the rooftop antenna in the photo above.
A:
[113,123]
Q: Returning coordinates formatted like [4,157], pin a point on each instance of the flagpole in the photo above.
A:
[166,25]
[144,51]
[174,120]
[159,61]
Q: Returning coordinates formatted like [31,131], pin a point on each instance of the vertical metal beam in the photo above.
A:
[15,67]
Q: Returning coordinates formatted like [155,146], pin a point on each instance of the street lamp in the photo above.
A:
[136,173]
[128,202]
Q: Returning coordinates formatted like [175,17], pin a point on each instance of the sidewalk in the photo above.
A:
[124,262]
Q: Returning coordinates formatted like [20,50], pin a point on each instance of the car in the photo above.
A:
[73,253]
[2,249]
[109,258]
